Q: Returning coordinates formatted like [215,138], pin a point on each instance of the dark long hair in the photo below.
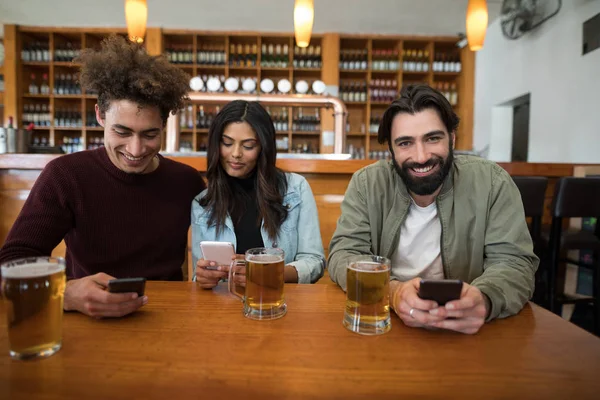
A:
[270,183]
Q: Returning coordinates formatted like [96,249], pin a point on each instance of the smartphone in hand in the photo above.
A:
[219,252]
[127,285]
[440,290]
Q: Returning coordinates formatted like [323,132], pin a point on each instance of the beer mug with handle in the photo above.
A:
[263,296]
[367,295]
[34,289]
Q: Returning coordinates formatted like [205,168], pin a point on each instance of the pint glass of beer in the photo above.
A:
[263,297]
[34,289]
[367,297]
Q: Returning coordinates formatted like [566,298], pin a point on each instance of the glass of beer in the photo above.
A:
[368,295]
[263,296]
[34,289]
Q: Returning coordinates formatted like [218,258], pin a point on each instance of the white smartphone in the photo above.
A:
[219,252]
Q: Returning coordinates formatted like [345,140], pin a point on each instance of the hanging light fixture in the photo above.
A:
[477,21]
[304,15]
[136,15]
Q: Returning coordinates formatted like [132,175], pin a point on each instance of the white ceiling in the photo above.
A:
[422,17]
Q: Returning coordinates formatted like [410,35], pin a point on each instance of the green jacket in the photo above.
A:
[485,240]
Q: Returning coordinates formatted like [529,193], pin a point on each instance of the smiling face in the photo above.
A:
[423,151]
[239,149]
[132,135]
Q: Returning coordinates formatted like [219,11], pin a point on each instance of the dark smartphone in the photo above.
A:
[127,285]
[440,291]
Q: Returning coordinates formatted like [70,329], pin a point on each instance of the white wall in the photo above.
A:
[564,87]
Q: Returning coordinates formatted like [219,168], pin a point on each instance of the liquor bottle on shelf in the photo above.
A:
[44,87]
[201,118]
[374,123]
[453,94]
[33,87]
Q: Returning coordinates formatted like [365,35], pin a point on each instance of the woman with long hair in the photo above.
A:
[252,203]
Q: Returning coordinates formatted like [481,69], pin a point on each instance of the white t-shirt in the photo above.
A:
[418,252]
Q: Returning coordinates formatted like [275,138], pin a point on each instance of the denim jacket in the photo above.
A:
[299,236]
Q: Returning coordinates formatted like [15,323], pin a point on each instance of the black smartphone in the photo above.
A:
[127,285]
[440,290]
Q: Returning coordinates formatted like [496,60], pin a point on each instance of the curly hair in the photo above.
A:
[123,70]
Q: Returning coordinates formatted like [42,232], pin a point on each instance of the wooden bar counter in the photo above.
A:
[193,343]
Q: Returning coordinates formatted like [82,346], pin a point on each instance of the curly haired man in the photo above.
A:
[123,209]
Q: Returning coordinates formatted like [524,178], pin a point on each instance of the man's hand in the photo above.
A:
[89,296]
[469,312]
[209,278]
[404,298]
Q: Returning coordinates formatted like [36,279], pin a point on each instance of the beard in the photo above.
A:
[425,185]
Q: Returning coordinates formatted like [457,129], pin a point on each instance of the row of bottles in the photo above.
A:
[243,55]
[274,55]
[385,60]
[415,60]
[90,119]
[95,143]
[449,90]
[384,90]
[304,122]
[305,148]
[40,116]
[180,54]
[67,118]
[40,141]
[36,114]
[307,57]
[280,119]
[203,118]
[353,59]
[66,52]
[356,153]
[72,144]
[353,91]
[66,84]
[447,62]
[36,52]
[211,55]
[42,88]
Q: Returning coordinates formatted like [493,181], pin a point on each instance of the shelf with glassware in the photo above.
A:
[373,70]
[51,102]
[248,64]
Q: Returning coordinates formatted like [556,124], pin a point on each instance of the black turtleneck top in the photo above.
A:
[246,219]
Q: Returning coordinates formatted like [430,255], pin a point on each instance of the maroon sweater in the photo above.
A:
[126,225]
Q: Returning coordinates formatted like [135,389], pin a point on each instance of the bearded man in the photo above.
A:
[437,216]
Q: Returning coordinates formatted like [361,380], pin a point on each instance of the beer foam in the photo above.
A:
[368,267]
[264,258]
[34,270]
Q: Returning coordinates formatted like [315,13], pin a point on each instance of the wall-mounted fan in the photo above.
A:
[520,16]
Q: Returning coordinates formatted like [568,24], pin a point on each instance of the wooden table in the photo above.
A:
[192,343]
